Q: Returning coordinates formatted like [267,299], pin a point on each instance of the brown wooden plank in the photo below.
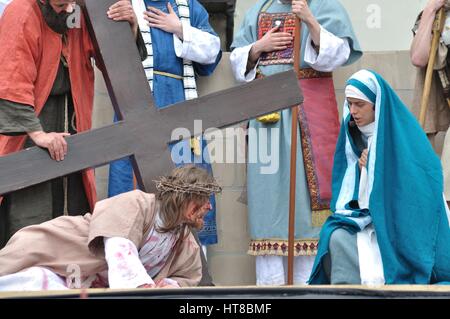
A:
[149,132]
[144,131]
[119,59]
[89,149]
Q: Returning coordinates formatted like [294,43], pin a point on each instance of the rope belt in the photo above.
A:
[170,75]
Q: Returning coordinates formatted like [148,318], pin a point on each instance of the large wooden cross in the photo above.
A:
[144,131]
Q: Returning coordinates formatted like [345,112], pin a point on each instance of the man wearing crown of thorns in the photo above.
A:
[131,240]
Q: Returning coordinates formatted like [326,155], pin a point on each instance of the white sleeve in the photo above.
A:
[239,58]
[125,270]
[333,52]
[198,46]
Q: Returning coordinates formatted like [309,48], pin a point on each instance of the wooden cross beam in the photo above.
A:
[144,131]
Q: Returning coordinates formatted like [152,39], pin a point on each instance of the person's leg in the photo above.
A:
[344,260]
[270,271]
[302,269]
[29,206]
[77,202]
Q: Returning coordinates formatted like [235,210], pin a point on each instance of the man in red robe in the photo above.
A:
[46,93]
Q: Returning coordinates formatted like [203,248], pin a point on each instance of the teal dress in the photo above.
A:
[405,183]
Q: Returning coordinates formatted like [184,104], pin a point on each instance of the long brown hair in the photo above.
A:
[174,200]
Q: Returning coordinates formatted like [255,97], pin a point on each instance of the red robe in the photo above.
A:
[29,58]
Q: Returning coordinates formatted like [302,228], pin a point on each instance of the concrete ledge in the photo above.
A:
[248,292]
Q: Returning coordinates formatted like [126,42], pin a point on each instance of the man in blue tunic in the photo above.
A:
[390,222]
[264,46]
[180,44]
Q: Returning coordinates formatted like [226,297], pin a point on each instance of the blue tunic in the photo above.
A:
[268,194]
[168,91]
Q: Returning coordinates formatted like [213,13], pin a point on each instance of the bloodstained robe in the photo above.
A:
[77,241]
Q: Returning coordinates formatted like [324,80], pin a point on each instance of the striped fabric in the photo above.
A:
[190,87]
[189,83]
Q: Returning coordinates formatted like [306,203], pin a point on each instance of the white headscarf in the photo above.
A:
[351,91]
[354,92]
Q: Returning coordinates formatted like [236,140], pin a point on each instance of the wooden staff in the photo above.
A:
[437,31]
[291,233]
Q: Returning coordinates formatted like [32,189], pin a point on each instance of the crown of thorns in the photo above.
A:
[168,184]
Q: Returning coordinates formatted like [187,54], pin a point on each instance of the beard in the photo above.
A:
[56,21]
[197,224]
[197,221]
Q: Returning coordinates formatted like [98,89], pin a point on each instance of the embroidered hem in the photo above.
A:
[317,203]
[264,247]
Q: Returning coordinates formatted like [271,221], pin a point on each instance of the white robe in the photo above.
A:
[369,255]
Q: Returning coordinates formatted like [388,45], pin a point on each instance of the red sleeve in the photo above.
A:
[19,38]
[87,42]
